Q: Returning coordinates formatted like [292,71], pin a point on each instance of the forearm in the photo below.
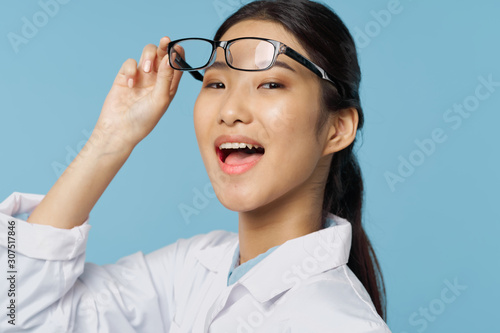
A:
[70,200]
[137,100]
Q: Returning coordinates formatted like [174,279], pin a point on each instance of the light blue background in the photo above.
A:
[438,225]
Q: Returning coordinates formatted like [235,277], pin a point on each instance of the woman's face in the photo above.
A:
[275,109]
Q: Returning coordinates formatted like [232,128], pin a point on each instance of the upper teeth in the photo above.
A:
[236,145]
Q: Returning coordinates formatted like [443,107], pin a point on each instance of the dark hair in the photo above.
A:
[330,45]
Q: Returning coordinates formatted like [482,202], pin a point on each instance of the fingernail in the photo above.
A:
[130,83]
[147,66]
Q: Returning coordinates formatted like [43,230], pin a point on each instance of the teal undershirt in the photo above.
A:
[236,273]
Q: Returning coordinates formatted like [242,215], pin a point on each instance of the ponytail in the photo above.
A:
[344,197]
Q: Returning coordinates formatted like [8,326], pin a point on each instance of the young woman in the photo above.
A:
[276,120]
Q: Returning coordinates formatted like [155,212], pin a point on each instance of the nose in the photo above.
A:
[235,108]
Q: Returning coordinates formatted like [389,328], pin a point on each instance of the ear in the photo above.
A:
[341,131]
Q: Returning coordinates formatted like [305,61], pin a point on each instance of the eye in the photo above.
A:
[272,85]
[215,85]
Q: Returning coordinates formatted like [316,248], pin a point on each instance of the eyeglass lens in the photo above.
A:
[246,54]
[250,54]
[196,53]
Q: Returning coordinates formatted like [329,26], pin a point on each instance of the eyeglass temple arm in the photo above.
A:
[197,75]
[312,66]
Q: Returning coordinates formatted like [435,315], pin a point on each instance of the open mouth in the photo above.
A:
[235,153]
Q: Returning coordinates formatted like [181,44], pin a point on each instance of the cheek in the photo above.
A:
[276,120]
[196,115]
[292,120]
[292,129]
[200,121]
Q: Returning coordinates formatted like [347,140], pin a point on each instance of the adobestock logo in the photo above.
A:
[202,197]
[71,154]
[293,277]
[381,19]
[103,296]
[453,117]
[426,315]
[90,139]
[31,26]
[200,201]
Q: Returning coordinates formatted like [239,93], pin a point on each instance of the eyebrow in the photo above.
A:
[224,66]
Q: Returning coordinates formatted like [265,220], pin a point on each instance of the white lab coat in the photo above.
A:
[302,286]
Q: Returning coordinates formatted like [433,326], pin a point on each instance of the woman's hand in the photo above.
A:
[139,97]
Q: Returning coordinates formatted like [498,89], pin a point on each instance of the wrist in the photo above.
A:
[106,142]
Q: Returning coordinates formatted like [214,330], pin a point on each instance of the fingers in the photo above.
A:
[126,75]
[175,83]
[148,57]
[161,51]
[153,59]
[152,55]
[167,82]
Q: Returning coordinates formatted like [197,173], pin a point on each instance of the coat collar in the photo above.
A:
[217,257]
[290,264]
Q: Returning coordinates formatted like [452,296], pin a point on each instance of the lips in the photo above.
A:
[238,153]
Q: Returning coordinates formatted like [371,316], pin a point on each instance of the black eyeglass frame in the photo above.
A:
[279,48]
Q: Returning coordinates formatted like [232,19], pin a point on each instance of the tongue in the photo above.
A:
[239,157]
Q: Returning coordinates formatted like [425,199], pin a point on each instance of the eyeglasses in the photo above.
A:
[244,54]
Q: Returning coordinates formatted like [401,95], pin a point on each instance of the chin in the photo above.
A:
[238,202]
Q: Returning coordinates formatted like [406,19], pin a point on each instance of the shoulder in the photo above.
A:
[188,248]
[336,299]
[213,239]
